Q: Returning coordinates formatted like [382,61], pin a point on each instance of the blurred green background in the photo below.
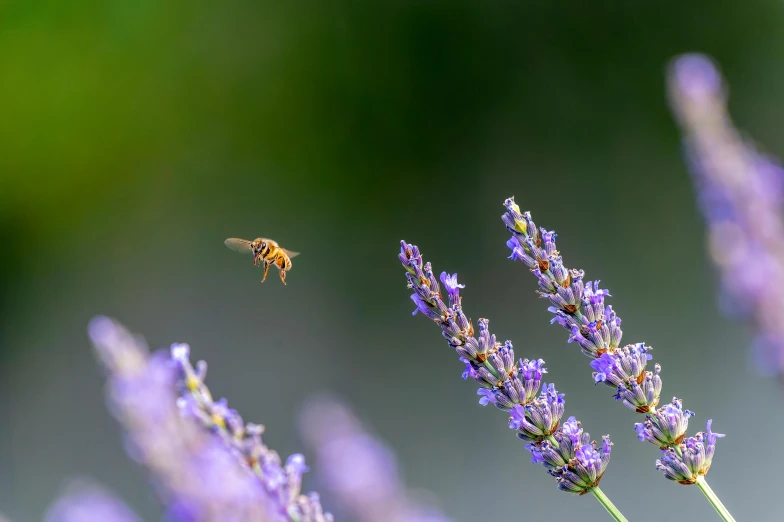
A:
[136,136]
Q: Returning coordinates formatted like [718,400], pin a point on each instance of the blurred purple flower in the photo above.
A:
[281,481]
[512,385]
[579,308]
[201,477]
[359,469]
[86,502]
[740,193]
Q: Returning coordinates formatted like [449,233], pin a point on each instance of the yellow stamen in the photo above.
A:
[192,383]
[218,420]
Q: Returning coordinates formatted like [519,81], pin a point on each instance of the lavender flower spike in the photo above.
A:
[360,470]
[281,481]
[512,385]
[741,193]
[579,307]
[201,476]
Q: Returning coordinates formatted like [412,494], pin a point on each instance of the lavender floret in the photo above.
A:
[575,461]
[690,459]
[667,426]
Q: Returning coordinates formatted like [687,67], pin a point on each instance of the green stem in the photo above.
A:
[608,505]
[714,500]
[490,367]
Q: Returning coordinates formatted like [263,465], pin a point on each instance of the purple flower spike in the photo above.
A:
[513,385]
[282,482]
[210,465]
[359,469]
[741,194]
[579,307]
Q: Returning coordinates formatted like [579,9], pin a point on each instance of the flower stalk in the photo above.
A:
[714,500]
[608,505]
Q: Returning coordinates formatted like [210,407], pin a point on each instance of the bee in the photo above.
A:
[265,252]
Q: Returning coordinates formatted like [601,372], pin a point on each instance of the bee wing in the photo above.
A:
[290,253]
[240,245]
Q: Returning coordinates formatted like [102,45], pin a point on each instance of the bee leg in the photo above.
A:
[266,268]
[283,276]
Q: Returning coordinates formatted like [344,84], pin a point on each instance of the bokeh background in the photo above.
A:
[136,136]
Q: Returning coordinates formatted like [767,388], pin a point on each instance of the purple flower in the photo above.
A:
[359,469]
[518,252]
[512,385]
[740,192]
[208,464]
[421,306]
[624,370]
[604,365]
[580,308]
[533,370]
[469,369]
[281,482]
[452,287]
[487,396]
[692,458]
[570,456]
[665,427]
[86,502]
[538,419]
[409,254]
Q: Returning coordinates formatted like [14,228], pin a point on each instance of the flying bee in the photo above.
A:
[265,252]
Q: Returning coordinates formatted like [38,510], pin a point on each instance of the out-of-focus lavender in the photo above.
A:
[200,476]
[87,502]
[740,193]
[281,481]
[359,469]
